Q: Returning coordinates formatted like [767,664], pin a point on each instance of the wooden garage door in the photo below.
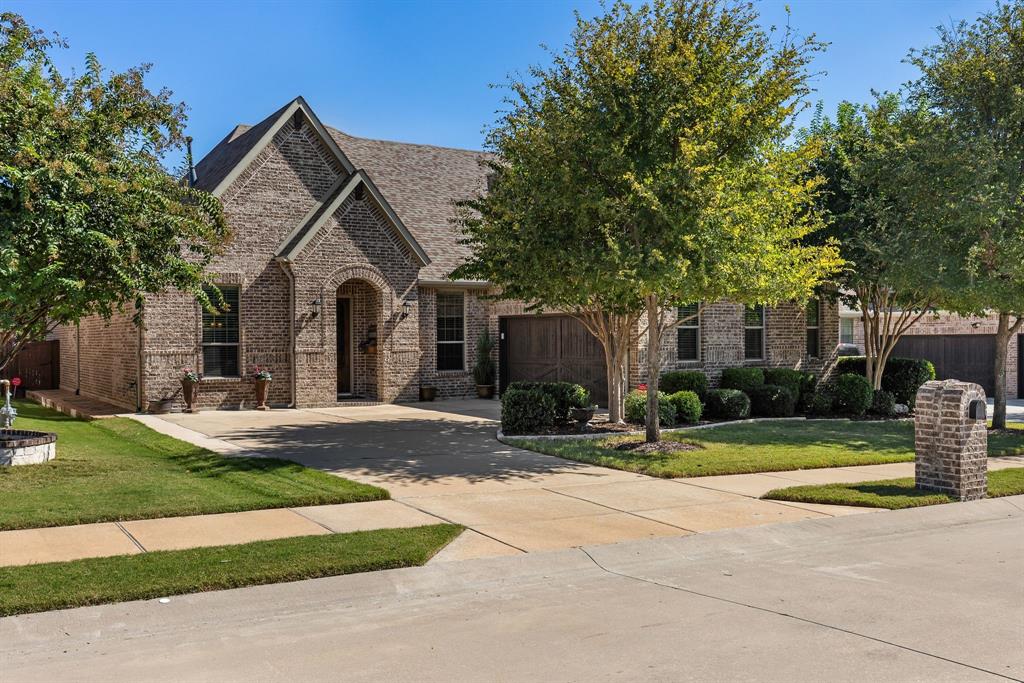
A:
[969,357]
[550,348]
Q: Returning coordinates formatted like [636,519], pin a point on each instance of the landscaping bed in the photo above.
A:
[893,494]
[767,446]
[40,587]
[118,469]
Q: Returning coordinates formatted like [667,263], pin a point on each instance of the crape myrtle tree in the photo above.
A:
[898,263]
[90,220]
[647,167]
[973,179]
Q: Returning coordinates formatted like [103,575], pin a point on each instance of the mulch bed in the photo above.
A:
[645,448]
[595,427]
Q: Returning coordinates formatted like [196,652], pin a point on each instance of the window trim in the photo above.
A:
[816,327]
[853,330]
[236,344]
[693,324]
[438,342]
[763,327]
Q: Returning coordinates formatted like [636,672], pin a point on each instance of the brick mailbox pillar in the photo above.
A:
[951,439]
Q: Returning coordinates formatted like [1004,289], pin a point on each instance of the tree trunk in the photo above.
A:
[613,330]
[653,368]
[1004,333]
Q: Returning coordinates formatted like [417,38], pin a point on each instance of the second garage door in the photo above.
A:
[968,357]
[552,348]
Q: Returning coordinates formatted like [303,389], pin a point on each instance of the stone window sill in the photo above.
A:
[224,380]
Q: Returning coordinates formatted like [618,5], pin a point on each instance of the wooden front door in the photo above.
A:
[344,325]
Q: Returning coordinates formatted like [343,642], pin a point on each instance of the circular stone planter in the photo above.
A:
[24,447]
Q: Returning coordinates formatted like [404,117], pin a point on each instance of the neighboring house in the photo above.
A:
[960,347]
[337,278]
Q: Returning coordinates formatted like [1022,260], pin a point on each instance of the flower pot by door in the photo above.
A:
[262,389]
[189,390]
[485,390]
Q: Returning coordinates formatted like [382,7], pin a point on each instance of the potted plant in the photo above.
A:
[483,370]
[428,393]
[582,410]
[189,388]
[262,378]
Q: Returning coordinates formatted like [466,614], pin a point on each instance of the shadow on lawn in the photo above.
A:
[849,435]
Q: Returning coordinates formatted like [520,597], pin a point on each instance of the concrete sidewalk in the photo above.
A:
[930,594]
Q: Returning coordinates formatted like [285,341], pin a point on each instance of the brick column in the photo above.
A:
[951,448]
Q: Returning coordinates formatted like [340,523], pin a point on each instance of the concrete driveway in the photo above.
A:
[443,458]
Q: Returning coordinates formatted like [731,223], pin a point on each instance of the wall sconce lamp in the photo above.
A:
[317,305]
[406,309]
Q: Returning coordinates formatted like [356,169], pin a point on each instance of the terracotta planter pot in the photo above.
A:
[485,390]
[262,389]
[428,393]
[189,391]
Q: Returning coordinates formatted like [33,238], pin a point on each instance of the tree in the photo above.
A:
[898,264]
[972,79]
[647,167]
[90,220]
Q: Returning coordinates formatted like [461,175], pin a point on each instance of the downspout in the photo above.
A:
[78,358]
[286,266]
[138,361]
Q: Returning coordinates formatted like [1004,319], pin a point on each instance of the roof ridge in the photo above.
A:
[406,144]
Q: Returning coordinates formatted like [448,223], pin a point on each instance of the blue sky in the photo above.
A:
[419,72]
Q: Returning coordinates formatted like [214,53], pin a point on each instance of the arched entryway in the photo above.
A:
[358,327]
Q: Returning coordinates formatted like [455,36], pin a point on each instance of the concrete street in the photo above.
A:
[928,594]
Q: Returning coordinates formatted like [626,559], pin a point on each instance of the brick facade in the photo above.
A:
[951,448]
[359,252]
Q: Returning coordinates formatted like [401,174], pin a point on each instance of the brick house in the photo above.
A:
[337,276]
[960,347]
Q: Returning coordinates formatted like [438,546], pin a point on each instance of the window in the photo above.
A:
[846,330]
[220,334]
[688,331]
[812,316]
[753,332]
[451,332]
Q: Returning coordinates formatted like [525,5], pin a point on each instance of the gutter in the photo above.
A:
[286,266]
[452,284]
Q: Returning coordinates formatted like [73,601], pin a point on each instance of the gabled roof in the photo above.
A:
[232,155]
[311,224]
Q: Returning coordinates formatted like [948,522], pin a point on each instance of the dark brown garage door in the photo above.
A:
[969,357]
[550,348]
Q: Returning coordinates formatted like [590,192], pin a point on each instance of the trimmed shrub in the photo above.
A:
[636,408]
[820,403]
[883,403]
[744,379]
[800,383]
[684,380]
[728,404]
[771,400]
[688,406]
[853,394]
[902,376]
[566,396]
[526,411]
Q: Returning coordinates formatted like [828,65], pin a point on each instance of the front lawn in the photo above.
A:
[760,447]
[40,587]
[118,469]
[893,494]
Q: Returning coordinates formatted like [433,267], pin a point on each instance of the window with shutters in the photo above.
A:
[451,331]
[220,334]
[688,332]
[812,318]
[753,332]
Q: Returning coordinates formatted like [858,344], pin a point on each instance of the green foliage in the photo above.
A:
[688,406]
[852,394]
[90,220]
[800,384]
[744,379]
[771,400]
[483,370]
[728,404]
[902,376]
[883,403]
[526,411]
[565,395]
[684,380]
[821,402]
[636,408]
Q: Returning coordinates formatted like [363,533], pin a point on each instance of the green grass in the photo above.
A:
[893,494]
[40,587]
[760,447]
[118,469]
